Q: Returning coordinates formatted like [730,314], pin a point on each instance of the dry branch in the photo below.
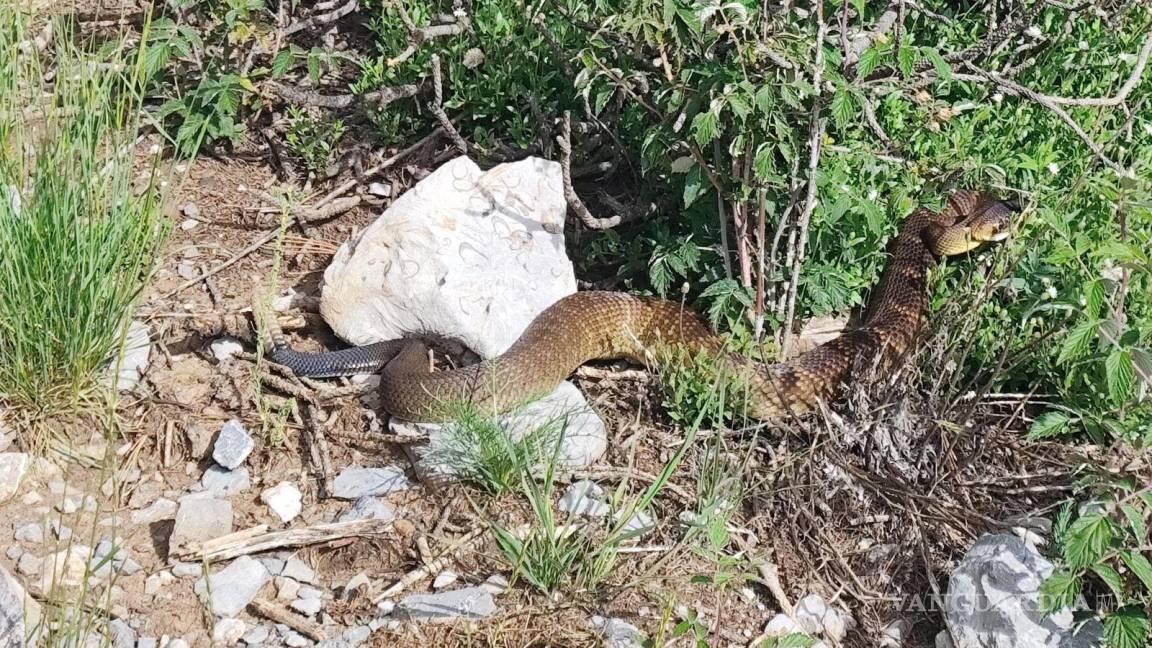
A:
[322,18]
[377,98]
[280,614]
[257,540]
[468,541]
[437,108]
[815,141]
[417,36]
[574,202]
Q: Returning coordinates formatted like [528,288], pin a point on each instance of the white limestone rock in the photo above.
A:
[465,254]
[993,600]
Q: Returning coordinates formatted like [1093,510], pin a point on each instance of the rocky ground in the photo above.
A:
[215,511]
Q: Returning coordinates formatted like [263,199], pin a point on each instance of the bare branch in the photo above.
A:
[437,108]
[322,19]
[574,202]
[815,140]
[1125,90]
[863,41]
[417,36]
[1011,87]
[378,98]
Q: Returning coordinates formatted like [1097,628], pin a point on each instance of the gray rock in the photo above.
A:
[358,635]
[224,482]
[161,509]
[29,565]
[134,356]
[233,445]
[19,613]
[296,640]
[993,600]
[273,563]
[14,552]
[225,348]
[68,569]
[30,532]
[468,602]
[638,524]
[368,507]
[200,518]
[497,584]
[231,589]
[584,498]
[298,570]
[228,632]
[190,210]
[816,617]
[150,642]
[156,582]
[176,643]
[256,636]
[123,636]
[13,467]
[444,579]
[285,500]
[309,607]
[187,570]
[618,633]
[355,482]
[61,532]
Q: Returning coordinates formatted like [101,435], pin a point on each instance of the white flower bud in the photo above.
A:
[1053,168]
[1033,32]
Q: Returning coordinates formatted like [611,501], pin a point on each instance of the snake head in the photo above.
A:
[971,219]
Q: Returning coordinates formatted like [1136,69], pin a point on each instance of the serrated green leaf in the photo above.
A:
[1126,628]
[795,640]
[1050,424]
[1094,298]
[1142,362]
[943,70]
[1139,565]
[602,97]
[906,60]
[1059,591]
[868,62]
[694,186]
[765,98]
[1087,540]
[282,63]
[1111,578]
[843,108]
[1078,340]
[739,104]
[1135,523]
[705,127]
[1120,375]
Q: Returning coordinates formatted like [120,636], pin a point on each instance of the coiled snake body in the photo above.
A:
[600,325]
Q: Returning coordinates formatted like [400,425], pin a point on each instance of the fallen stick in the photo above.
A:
[428,569]
[258,539]
[280,614]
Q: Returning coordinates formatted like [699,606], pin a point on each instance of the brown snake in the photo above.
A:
[600,325]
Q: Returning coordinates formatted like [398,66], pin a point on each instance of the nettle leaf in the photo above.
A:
[282,63]
[705,127]
[1050,424]
[1087,540]
[1120,374]
[1111,578]
[694,186]
[1059,591]
[795,640]
[764,164]
[843,108]
[906,60]
[943,70]
[868,62]
[1079,340]
[1139,565]
[1136,523]
[1142,362]
[1127,628]
[765,99]
[1094,298]
[739,104]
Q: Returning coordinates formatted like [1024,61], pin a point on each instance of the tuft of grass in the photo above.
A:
[700,388]
[478,448]
[78,235]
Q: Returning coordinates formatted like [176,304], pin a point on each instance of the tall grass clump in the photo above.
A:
[78,232]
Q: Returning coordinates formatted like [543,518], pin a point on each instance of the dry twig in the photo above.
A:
[574,202]
[459,546]
[259,539]
[280,614]
[437,108]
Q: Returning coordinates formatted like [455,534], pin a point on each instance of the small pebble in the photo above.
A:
[309,607]
[285,500]
[444,579]
[30,532]
[233,445]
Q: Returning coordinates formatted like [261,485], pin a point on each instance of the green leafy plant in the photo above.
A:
[313,139]
[699,387]
[1104,542]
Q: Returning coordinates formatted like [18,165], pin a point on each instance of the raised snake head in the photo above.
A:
[971,219]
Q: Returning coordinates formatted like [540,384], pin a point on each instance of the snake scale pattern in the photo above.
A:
[602,325]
